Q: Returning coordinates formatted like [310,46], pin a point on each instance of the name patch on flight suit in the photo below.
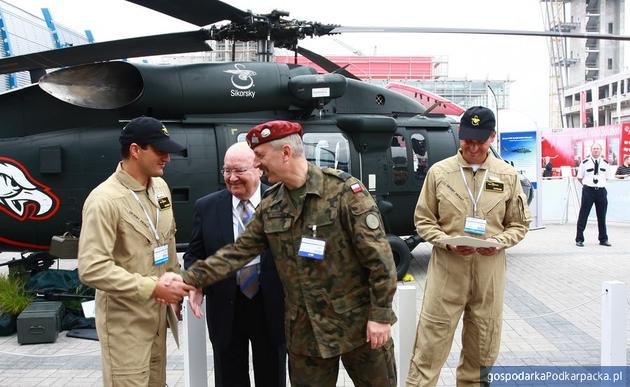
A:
[164,203]
[493,186]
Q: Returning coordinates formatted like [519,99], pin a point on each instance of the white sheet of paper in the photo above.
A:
[470,241]
[89,308]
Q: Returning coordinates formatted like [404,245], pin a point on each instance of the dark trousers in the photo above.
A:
[231,363]
[590,196]
[366,367]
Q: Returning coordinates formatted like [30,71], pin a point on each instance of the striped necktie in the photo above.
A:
[247,277]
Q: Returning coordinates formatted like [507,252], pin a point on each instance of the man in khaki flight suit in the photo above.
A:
[470,194]
[127,242]
[336,266]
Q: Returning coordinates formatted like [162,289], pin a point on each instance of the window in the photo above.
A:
[420,157]
[610,28]
[400,172]
[327,150]
[610,64]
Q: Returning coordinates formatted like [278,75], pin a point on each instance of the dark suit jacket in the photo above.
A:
[213,229]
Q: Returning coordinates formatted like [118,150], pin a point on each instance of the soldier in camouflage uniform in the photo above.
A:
[336,266]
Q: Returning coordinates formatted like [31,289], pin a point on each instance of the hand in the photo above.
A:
[377,334]
[168,278]
[170,289]
[461,250]
[488,251]
[195,298]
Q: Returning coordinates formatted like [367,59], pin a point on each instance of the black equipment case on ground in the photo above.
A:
[40,322]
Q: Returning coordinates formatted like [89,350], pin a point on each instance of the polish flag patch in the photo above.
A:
[356,188]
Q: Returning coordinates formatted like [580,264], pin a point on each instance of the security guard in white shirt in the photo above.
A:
[592,175]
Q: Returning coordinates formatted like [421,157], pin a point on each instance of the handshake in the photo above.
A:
[170,289]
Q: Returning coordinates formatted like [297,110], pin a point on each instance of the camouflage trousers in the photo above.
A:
[366,367]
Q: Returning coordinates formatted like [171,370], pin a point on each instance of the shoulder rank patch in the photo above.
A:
[493,186]
[372,221]
[337,173]
[356,188]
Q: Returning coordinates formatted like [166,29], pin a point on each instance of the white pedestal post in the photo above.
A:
[194,347]
[614,316]
[404,331]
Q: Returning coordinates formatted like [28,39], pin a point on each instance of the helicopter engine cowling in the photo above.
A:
[204,88]
[107,85]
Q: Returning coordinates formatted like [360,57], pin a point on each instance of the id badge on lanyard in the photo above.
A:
[160,253]
[474,224]
[312,248]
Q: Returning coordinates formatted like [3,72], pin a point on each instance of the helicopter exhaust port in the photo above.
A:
[108,85]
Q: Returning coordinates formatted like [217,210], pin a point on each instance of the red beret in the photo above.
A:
[270,131]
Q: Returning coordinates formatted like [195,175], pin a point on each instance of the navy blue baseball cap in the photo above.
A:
[477,123]
[149,131]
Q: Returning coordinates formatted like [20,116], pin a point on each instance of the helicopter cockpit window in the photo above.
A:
[420,157]
[327,150]
[400,172]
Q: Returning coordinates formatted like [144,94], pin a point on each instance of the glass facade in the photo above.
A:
[24,33]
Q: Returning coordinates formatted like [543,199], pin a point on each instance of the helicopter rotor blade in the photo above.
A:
[474,31]
[197,12]
[173,43]
[325,63]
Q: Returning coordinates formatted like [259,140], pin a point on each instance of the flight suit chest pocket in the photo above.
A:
[493,203]
[135,227]
[450,202]
[166,226]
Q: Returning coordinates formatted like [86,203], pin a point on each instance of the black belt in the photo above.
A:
[595,188]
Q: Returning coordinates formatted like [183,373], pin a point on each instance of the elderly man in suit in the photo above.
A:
[248,305]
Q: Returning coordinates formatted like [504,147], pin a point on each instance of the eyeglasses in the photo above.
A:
[234,171]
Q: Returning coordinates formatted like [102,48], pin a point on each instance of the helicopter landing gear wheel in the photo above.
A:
[402,255]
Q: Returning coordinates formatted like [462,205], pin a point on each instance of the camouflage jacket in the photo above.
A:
[329,301]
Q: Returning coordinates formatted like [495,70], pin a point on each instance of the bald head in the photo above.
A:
[239,174]
[239,150]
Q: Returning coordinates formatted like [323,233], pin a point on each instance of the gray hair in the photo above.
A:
[293,140]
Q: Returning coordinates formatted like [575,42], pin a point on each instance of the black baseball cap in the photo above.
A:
[477,123]
[149,131]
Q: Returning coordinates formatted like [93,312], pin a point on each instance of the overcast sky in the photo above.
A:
[520,59]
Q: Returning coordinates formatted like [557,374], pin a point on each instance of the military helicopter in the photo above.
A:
[58,137]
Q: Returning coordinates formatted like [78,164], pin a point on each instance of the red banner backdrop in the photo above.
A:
[569,146]
[624,143]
